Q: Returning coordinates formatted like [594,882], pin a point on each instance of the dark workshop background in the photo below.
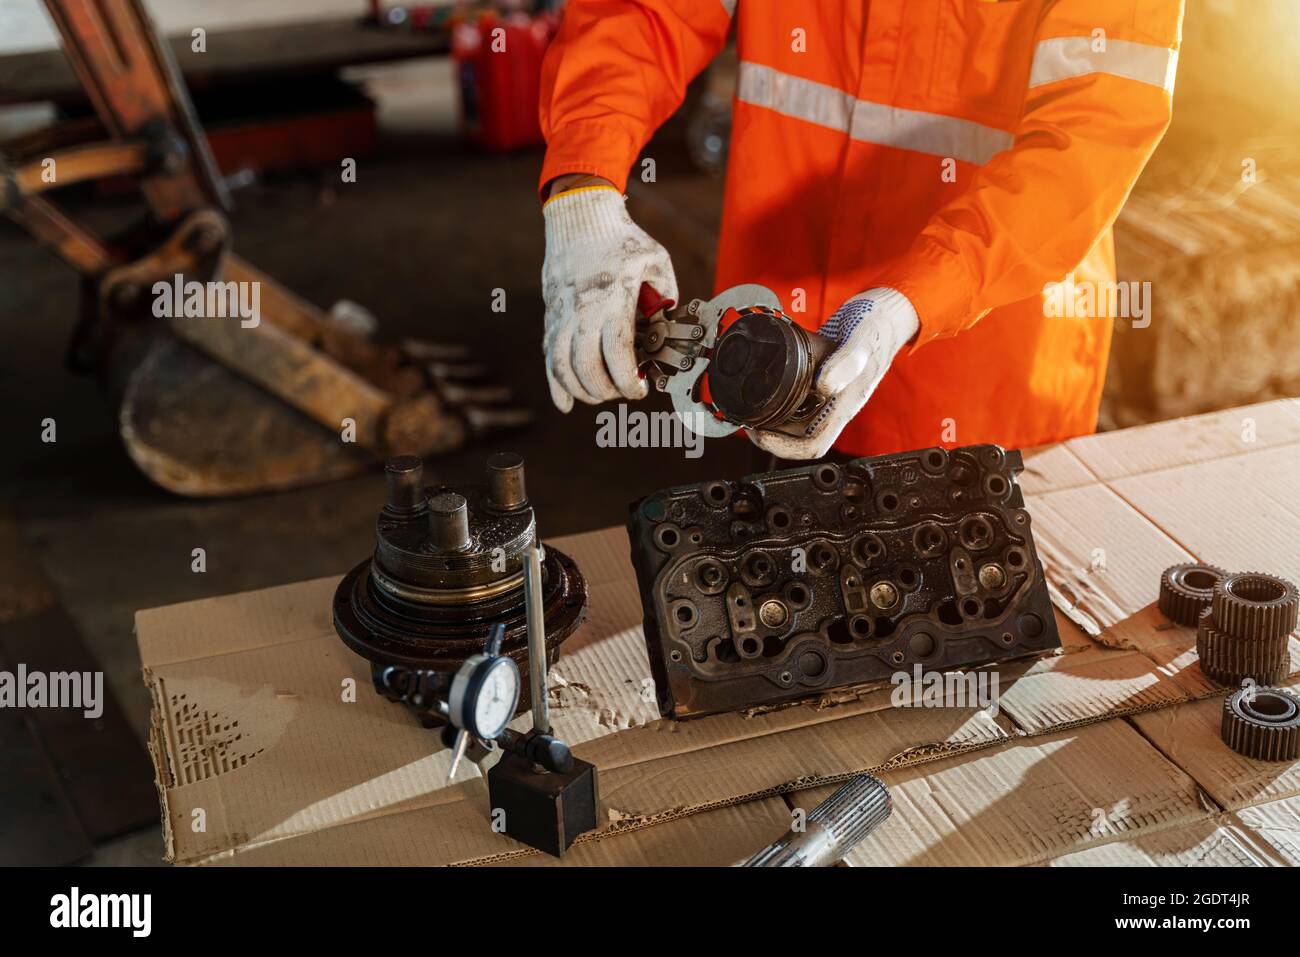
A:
[429,229]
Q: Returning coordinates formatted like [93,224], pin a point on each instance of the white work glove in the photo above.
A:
[870,328]
[596,261]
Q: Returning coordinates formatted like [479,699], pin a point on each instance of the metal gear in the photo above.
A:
[1255,605]
[448,563]
[1262,723]
[1230,659]
[1186,590]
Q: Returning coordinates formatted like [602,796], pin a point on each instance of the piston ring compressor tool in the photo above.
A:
[762,367]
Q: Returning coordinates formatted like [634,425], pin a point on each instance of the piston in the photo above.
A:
[763,371]
[448,563]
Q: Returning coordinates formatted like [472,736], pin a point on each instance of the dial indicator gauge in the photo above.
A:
[498,696]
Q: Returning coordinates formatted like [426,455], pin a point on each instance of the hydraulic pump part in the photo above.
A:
[448,563]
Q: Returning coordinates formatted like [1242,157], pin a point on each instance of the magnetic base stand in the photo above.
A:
[544,809]
[547,796]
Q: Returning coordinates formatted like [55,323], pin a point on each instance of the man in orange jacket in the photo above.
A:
[923,171]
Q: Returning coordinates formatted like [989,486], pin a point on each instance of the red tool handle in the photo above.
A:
[648,301]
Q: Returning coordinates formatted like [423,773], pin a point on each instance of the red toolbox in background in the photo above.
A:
[499,67]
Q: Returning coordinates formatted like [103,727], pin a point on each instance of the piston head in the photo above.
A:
[760,369]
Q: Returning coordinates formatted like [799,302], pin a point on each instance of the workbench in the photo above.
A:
[247,57]
[267,734]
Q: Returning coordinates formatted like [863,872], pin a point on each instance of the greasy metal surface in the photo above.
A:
[674,348]
[1243,631]
[290,369]
[544,809]
[282,356]
[424,601]
[404,549]
[246,444]
[788,584]
[382,365]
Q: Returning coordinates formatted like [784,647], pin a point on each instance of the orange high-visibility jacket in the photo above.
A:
[965,152]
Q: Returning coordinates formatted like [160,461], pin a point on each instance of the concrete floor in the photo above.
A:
[422,238]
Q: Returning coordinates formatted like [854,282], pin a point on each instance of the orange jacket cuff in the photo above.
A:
[937,284]
[595,147]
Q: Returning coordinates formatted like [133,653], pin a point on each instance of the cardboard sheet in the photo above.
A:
[271,747]
[1190,735]
[1034,800]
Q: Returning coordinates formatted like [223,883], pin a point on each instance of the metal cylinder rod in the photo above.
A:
[505,472]
[449,522]
[834,827]
[405,475]
[536,636]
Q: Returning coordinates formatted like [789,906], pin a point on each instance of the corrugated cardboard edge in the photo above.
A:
[912,756]
[1228,845]
[1120,463]
[162,777]
[1272,827]
[921,754]
[1036,799]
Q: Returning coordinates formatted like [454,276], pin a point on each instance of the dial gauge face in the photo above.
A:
[494,705]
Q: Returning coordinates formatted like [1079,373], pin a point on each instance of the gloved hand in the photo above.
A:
[596,261]
[870,328]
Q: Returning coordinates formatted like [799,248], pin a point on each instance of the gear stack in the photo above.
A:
[1263,723]
[1243,620]
[1257,606]
[1186,590]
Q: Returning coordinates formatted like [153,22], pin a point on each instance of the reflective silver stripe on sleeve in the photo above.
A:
[1063,58]
[869,122]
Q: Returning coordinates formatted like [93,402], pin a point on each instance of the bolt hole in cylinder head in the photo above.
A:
[773,613]
[992,576]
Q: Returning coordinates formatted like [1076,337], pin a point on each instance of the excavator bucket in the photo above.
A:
[218,403]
